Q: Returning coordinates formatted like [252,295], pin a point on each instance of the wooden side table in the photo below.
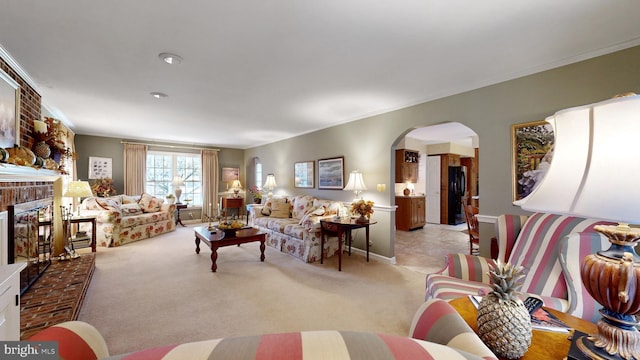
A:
[178,208]
[340,228]
[544,344]
[232,203]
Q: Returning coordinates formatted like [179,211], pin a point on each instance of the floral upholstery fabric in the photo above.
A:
[150,204]
[122,223]
[300,234]
[301,206]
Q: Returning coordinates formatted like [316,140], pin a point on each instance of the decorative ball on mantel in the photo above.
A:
[42,149]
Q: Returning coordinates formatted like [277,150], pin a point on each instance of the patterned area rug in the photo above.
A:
[57,295]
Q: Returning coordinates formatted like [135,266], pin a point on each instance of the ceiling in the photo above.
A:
[255,72]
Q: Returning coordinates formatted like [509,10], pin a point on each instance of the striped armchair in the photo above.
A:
[534,242]
[437,332]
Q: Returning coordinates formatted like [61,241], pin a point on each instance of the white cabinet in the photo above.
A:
[10,301]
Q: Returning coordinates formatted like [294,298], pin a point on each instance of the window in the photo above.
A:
[258,175]
[163,166]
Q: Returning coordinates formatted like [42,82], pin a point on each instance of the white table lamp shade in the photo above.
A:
[595,169]
[177,181]
[355,183]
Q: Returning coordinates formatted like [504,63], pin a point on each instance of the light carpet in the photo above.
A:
[158,291]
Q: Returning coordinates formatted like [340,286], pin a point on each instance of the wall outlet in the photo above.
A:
[190,215]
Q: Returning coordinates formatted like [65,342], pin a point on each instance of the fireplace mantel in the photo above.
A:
[12,173]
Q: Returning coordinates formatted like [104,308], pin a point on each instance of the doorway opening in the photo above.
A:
[447,179]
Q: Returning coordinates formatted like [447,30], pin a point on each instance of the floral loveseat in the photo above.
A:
[121,219]
[292,225]
[437,332]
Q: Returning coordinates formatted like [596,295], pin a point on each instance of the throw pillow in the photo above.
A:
[301,206]
[266,209]
[319,211]
[126,199]
[108,204]
[131,209]
[150,204]
[280,210]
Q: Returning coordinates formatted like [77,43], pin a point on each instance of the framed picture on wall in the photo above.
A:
[304,174]
[532,150]
[100,167]
[331,173]
[9,111]
[230,174]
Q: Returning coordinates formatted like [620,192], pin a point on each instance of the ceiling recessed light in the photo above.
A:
[158,95]
[171,59]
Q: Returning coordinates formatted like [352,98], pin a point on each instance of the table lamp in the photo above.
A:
[594,173]
[78,189]
[236,186]
[356,184]
[177,182]
[270,184]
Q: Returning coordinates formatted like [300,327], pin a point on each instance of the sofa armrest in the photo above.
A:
[76,340]
[103,216]
[437,321]
[170,208]
[467,267]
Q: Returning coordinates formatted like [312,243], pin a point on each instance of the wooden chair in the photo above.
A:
[470,213]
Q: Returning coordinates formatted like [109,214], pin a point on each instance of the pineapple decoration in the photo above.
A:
[504,324]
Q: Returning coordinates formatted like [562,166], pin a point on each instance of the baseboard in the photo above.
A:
[390,260]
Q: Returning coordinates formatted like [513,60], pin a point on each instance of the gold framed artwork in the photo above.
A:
[9,111]
[304,174]
[331,173]
[230,174]
[531,154]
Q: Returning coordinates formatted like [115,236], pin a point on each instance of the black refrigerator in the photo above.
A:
[457,188]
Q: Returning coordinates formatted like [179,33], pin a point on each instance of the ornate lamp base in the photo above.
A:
[612,277]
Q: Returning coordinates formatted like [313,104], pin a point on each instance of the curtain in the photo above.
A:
[135,168]
[209,159]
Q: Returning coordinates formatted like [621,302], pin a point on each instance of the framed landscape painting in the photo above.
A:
[331,173]
[304,174]
[532,150]
[9,111]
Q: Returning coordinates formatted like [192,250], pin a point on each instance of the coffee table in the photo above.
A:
[215,239]
[544,344]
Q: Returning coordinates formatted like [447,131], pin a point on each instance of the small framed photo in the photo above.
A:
[304,174]
[531,153]
[9,111]
[331,173]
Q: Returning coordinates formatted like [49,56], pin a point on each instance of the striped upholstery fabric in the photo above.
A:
[507,229]
[531,242]
[437,321]
[81,341]
[537,250]
[77,340]
[573,249]
[303,346]
[448,287]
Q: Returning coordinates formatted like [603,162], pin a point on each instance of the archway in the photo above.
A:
[440,148]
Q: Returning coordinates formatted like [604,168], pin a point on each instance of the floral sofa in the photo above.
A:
[121,219]
[437,332]
[292,225]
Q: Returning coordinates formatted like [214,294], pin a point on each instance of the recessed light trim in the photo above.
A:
[158,95]
[171,59]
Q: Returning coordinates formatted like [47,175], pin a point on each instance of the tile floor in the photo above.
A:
[424,250]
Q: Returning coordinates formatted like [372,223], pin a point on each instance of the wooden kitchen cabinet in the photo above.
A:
[407,165]
[410,214]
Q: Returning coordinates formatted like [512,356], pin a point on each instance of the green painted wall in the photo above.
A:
[368,144]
